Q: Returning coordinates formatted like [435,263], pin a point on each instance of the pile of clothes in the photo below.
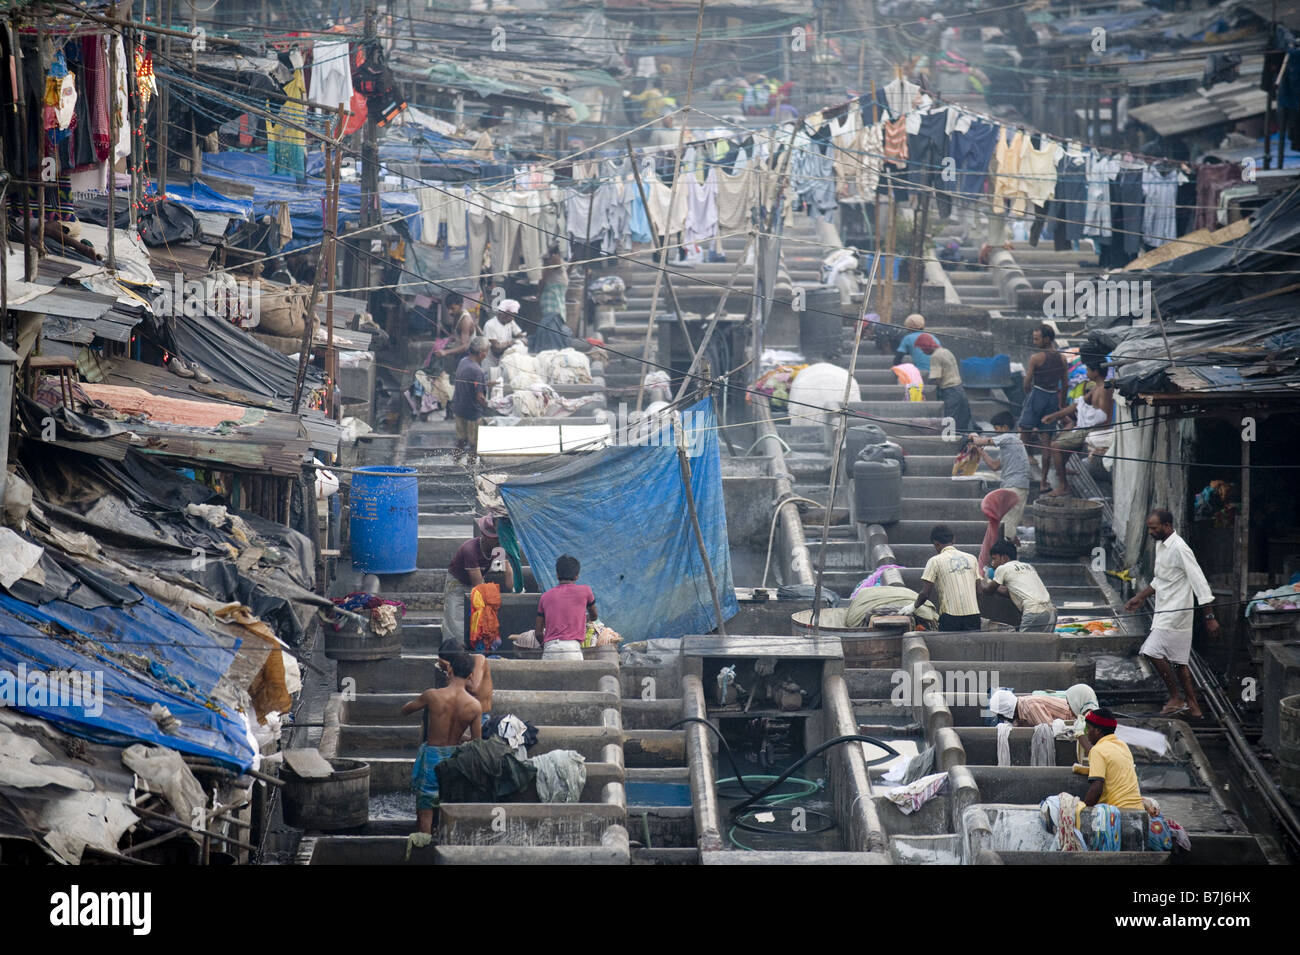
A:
[539,400]
[384,614]
[1066,817]
[1281,598]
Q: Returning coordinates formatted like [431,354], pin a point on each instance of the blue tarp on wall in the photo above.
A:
[178,665]
[622,512]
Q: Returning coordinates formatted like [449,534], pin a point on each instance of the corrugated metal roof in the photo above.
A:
[1219,104]
[65,302]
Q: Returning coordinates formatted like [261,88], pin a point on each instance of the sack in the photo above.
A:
[282,312]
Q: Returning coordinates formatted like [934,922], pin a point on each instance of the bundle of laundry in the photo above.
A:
[561,775]
[521,369]
[427,394]
[483,770]
[881,600]
[484,626]
[519,733]
[566,366]
[539,401]
[608,290]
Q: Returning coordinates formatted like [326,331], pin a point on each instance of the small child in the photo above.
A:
[1012,465]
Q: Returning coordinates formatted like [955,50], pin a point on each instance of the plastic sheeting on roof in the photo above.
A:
[622,512]
[304,199]
[136,656]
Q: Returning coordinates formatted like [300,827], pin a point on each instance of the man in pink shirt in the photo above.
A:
[563,612]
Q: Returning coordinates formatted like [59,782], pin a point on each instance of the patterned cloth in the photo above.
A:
[424,781]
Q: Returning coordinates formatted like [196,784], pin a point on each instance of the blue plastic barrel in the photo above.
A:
[385,520]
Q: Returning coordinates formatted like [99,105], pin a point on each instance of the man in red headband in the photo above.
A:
[945,378]
[1111,774]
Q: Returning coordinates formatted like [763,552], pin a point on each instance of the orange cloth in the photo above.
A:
[484,626]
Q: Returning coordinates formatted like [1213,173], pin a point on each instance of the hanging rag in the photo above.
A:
[561,775]
[1042,748]
[1058,814]
[484,627]
[1004,743]
[995,506]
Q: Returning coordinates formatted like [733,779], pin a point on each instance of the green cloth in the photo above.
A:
[506,534]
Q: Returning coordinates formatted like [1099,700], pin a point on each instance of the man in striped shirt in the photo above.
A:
[949,580]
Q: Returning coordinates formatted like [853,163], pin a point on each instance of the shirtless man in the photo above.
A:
[479,683]
[462,326]
[448,712]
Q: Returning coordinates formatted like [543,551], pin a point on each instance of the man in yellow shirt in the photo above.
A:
[1112,776]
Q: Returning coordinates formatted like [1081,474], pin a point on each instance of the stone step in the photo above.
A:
[540,707]
[392,774]
[915,555]
[936,510]
[940,487]
[527,824]
[918,531]
[639,714]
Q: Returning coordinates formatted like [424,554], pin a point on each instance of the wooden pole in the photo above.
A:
[660,243]
[330,229]
[695,523]
[917,265]
[887,296]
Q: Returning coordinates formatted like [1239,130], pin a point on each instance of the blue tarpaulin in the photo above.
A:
[304,198]
[622,512]
[145,654]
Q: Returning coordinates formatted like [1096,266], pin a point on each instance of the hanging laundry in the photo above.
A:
[972,151]
[331,75]
[1042,748]
[1211,180]
[98,78]
[737,193]
[895,140]
[1009,156]
[1160,193]
[1101,172]
[702,207]
[901,96]
[286,146]
[1038,170]
[120,125]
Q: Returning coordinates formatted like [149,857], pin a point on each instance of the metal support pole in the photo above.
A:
[841,429]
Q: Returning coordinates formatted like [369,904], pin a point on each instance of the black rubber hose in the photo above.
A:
[852,738]
[735,767]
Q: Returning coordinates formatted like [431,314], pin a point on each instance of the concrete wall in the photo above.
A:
[748,500]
